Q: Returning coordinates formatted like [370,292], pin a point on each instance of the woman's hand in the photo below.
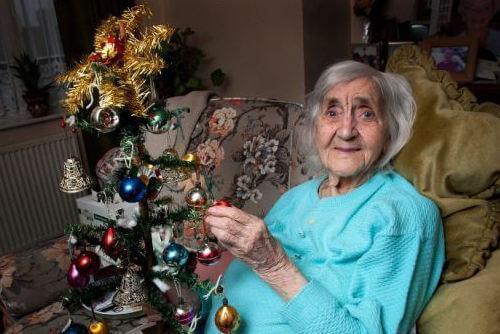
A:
[247,238]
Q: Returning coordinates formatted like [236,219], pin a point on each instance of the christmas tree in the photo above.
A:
[137,259]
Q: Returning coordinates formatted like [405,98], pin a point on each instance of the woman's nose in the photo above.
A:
[347,128]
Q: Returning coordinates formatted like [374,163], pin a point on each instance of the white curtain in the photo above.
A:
[28,26]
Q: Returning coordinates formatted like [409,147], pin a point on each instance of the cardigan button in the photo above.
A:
[302,234]
[297,256]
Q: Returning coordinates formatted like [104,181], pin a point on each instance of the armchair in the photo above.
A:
[250,146]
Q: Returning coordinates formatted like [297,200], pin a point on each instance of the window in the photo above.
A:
[28,26]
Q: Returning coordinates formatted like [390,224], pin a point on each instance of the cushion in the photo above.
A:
[245,145]
[453,158]
[53,318]
[34,278]
[469,306]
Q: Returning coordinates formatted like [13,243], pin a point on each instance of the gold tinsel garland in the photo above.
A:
[119,70]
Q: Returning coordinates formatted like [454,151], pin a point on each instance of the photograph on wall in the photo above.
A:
[457,55]
[453,59]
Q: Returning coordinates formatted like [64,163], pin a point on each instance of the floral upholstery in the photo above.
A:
[53,318]
[32,279]
[246,144]
[31,285]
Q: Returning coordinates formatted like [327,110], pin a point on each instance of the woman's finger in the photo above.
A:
[228,240]
[230,212]
[226,224]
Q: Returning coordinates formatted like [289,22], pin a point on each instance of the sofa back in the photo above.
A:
[246,145]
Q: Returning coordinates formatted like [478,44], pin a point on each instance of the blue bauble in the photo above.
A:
[132,189]
[76,328]
[175,255]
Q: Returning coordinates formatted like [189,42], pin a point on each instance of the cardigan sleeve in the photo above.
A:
[390,285]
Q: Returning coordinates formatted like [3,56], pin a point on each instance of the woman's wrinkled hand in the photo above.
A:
[247,238]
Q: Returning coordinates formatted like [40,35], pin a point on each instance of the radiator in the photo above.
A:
[32,209]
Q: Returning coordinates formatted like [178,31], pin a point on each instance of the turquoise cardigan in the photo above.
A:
[373,258]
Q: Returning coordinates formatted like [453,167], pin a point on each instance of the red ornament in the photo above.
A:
[63,123]
[77,279]
[209,254]
[222,202]
[73,129]
[87,263]
[95,57]
[109,243]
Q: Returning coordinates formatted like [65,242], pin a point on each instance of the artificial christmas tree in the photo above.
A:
[113,91]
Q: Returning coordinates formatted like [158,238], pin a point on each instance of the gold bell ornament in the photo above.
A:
[172,176]
[98,327]
[131,292]
[227,319]
[74,178]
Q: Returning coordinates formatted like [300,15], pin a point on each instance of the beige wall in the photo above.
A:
[258,43]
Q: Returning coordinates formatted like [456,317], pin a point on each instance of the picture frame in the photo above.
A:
[457,55]
[369,54]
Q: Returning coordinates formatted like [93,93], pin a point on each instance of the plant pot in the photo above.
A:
[37,103]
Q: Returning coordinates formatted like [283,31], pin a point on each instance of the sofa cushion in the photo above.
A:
[469,306]
[53,318]
[245,144]
[30,280]
[453,159]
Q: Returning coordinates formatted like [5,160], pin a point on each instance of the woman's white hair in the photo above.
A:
[398,106]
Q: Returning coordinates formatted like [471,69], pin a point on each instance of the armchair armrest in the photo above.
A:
[469,306]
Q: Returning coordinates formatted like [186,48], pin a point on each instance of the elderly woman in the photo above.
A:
[356,250]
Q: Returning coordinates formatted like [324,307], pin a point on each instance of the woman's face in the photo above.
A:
[351,130]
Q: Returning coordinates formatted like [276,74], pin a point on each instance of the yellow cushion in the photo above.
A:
[453,158]
[469,306]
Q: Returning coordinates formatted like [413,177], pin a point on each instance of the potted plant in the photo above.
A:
[36,96]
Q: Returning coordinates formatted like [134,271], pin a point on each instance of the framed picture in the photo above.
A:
[368,54]
[456,55]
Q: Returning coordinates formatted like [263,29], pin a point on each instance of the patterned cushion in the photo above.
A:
[34,278]
[53,318]
[246,145]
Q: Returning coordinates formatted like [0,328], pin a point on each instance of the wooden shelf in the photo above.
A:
[484,91]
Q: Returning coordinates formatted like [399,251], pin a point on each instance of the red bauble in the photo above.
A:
[63,123]
[222,202]
[209,254]
[110,244]
[77,279]
[87,263]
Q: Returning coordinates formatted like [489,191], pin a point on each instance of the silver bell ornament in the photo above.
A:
[104,119]
[74,178]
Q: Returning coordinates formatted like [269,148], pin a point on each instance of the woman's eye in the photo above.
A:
[368,114]
[333,112]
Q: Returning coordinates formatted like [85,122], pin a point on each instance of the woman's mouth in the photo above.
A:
[347,149]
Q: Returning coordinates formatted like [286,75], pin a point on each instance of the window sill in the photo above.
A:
[13,123]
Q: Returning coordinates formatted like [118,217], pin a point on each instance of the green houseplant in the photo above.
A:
[36,96]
